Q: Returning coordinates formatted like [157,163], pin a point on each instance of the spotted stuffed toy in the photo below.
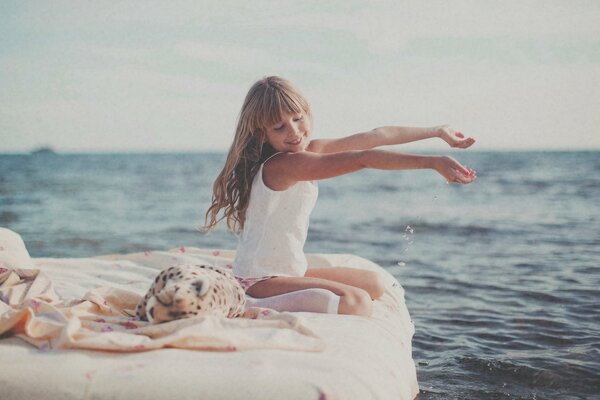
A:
[183,291]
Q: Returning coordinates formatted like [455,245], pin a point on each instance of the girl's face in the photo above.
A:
[291,134]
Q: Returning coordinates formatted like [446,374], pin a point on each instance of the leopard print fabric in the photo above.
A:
[183,291]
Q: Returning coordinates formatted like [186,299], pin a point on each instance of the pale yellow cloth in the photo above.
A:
[105,320]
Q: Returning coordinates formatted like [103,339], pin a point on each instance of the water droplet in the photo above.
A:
[401,263]
[407,237]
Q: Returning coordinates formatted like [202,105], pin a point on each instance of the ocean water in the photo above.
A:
[502,277]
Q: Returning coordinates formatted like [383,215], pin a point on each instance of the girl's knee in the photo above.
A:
[356,302]
[375,285]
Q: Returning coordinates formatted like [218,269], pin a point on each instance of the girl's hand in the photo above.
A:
[453,171]
[452,137]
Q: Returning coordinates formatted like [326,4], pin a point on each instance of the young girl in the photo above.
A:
[267,190]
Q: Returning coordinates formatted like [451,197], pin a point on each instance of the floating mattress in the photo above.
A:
[68,331]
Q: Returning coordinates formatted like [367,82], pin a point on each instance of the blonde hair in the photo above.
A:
[265,104]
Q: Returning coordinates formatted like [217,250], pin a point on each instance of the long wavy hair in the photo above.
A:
[267,101]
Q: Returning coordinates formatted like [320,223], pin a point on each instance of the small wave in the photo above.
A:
[550,377]
[182,230]
[541,296]
[539,322]
[446,229]
[8,217]
[509,371]
[78,241]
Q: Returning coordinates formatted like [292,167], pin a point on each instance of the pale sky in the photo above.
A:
[172,75]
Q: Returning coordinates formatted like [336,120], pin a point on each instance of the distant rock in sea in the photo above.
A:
[44,150]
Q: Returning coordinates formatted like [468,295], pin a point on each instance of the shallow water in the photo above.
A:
[502,276]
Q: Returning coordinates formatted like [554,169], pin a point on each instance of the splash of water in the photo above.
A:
[408,238]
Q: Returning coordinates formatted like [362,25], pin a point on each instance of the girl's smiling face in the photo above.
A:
[291,134]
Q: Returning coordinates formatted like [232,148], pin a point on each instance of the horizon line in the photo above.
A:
[224,151]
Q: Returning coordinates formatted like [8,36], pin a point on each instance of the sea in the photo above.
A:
[502,276]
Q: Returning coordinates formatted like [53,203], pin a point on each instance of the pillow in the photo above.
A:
[13,253]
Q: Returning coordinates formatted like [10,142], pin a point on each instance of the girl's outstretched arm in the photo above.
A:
[390,135]
[285,169]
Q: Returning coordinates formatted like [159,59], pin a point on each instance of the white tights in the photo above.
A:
[309,300]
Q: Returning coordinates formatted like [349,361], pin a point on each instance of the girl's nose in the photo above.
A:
[295,128]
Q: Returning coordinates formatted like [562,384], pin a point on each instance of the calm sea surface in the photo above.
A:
[502,277]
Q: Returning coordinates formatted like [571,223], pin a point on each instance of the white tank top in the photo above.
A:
[275,230]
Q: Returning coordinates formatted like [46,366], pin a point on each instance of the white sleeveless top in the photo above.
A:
[272,241]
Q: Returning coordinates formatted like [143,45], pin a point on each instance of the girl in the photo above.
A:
[267,191]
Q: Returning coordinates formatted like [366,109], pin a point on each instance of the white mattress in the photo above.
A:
[353,357]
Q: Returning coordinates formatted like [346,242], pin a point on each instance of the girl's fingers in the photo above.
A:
[462,171]
[454,176]
[455,172]
[466,143]
[462,144]
[457,179]
[464,179]
[466,175]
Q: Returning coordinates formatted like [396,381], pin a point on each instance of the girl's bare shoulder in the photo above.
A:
[316,145]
